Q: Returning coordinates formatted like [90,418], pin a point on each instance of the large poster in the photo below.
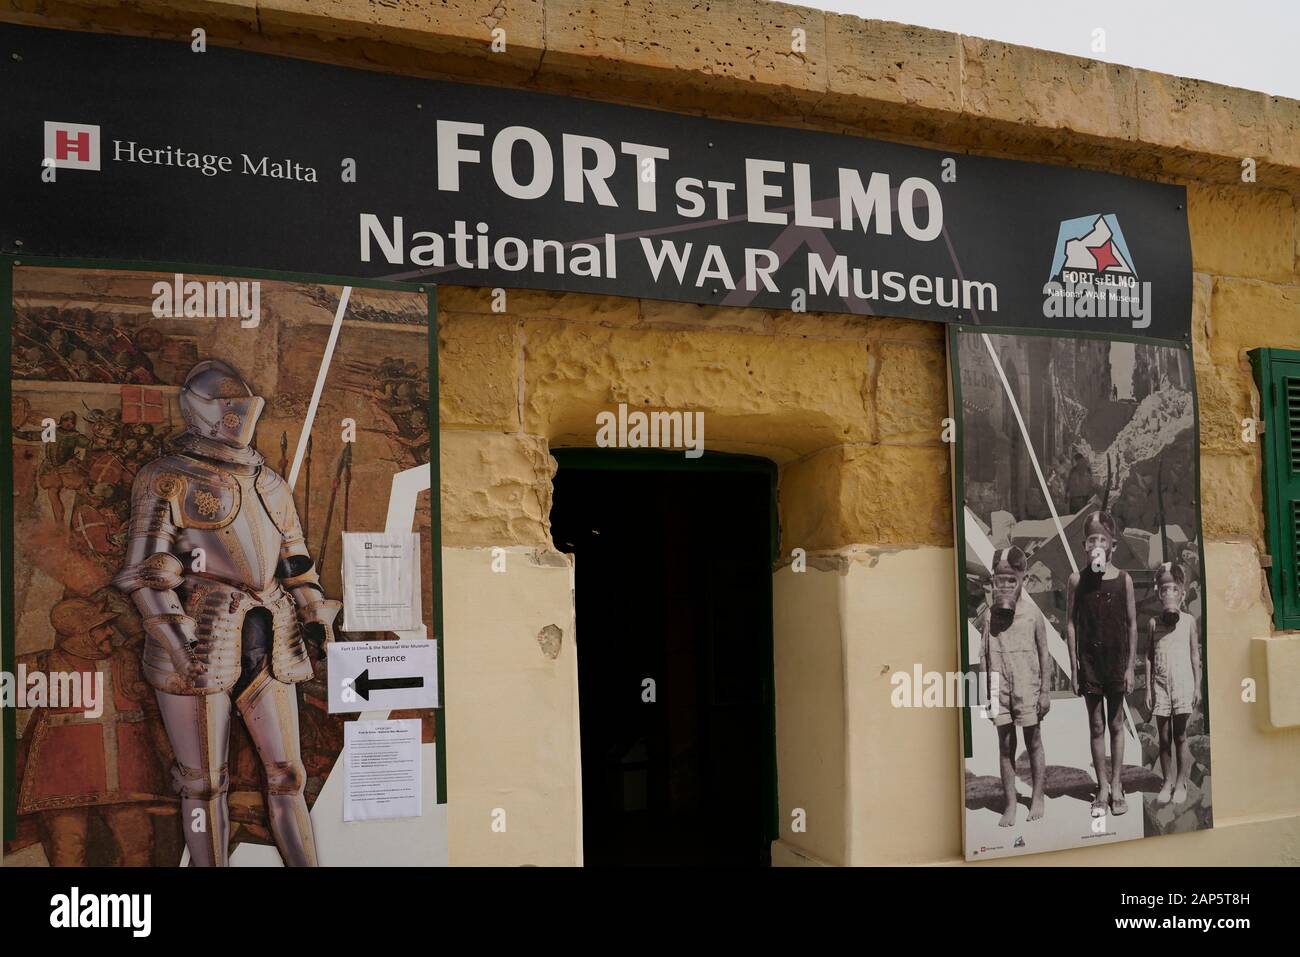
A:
[1082,591]
[187,452]
[117,146]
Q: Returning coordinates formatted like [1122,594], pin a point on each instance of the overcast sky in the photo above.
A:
[1253,44]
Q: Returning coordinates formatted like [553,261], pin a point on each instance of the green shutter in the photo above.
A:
[1277,375]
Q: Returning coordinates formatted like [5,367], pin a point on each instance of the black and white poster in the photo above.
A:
[1082,592]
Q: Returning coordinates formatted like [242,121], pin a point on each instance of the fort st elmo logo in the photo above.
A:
[71,145]
[1090,247]
[1093,275]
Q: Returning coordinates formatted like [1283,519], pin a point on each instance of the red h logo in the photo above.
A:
[64,145]
[71,145]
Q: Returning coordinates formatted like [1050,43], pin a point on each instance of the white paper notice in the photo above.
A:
[381,581]
[382,760]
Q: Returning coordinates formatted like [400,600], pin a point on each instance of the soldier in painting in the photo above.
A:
[105,426]
[398,394]
[99,525]
[63,467]
[73,765]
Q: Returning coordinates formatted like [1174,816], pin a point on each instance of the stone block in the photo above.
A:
[767,395]
[1047,90]
[478,371]
[1180,113]
[745,40]
[1231,499]
[1244,230]
[911,396]
[893,63]
[867,495]
[496,489]
[1247,314]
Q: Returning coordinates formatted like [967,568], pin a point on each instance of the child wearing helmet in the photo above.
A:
[1101,632]
[1016,664]
[1174,683]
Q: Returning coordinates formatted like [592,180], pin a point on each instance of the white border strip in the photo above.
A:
[305,434]
[1024,432]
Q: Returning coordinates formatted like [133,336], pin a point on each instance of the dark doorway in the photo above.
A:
[674,584]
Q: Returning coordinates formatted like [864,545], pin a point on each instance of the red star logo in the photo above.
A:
[1104,255]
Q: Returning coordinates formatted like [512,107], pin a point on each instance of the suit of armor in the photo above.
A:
[218,567]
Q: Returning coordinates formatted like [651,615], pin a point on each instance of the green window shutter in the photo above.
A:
[1277,375]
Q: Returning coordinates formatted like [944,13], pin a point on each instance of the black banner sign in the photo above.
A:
[144,149]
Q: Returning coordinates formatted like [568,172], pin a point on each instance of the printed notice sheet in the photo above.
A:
[381,581]
[382,761]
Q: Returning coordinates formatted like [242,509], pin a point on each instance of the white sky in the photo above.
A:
[1254,44]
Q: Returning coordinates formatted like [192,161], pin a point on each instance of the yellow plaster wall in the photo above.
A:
[514,782]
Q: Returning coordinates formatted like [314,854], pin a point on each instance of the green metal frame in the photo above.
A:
[7,612]
[1276,439]
[959,489]
[649,460]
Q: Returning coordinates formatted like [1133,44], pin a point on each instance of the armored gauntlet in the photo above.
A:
[174,660]
[317,613]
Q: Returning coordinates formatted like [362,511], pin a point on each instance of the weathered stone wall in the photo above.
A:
[852,414]
[1246,295]
[849,406]
[733,58]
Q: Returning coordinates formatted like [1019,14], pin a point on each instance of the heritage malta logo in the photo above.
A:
[71,145]
[78,146]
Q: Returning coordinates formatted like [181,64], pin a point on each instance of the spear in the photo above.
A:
[284,453]
[329,510]
[347,483]
[1105,498]
[1160,509]
[306,499]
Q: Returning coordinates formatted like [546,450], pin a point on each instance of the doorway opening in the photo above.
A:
[675,686]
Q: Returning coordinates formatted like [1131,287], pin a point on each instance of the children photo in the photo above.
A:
[1076,463]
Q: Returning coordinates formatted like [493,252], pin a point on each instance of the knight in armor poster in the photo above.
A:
[182,478]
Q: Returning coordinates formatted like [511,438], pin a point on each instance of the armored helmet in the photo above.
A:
[218,404]
[77,616]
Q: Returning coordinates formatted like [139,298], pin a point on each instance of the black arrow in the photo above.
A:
[364,684]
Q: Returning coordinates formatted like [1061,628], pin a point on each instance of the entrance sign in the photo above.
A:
[382,675]
[141,149]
